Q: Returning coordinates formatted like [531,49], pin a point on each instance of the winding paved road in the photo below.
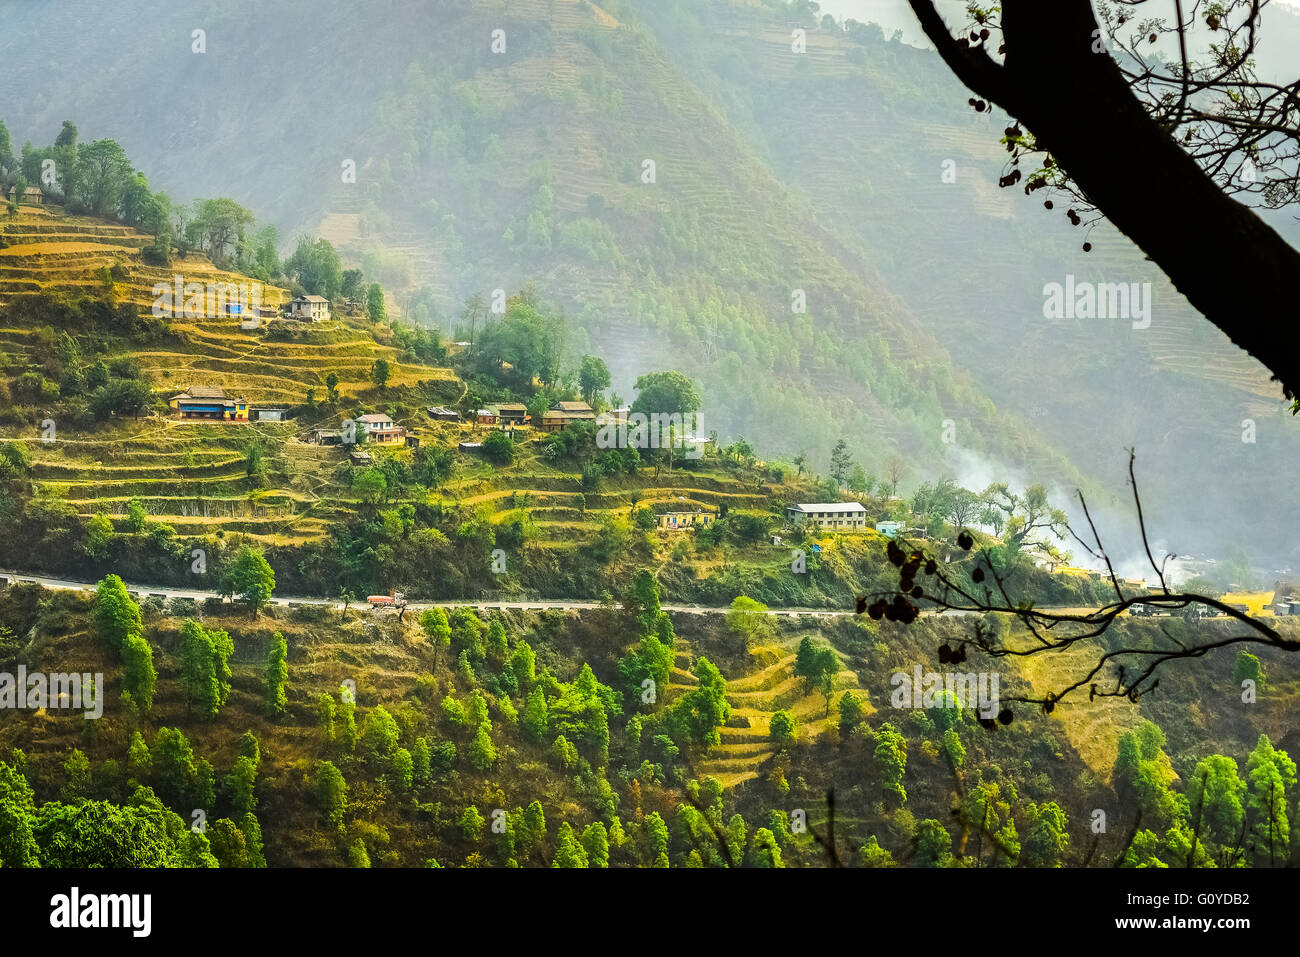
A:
[162,591]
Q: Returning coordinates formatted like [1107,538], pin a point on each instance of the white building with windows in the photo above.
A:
[849,515]
[310,308]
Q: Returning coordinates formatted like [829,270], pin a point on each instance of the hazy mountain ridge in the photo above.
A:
[774,173]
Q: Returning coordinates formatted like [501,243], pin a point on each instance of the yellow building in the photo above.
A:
[199,402]
[673,520]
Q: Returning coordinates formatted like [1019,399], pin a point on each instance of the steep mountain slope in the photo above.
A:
[860,125]
[477,171]
[774,172]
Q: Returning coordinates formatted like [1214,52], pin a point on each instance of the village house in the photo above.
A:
[380,429]
[309,308]
[829,514]
[684,519]
[1286,597]
[269,413]
[511,413]
[442,414]
[889,529]
[578,411]
[204,402]
[485,417]
[325,436]
[33,195]
[554,420]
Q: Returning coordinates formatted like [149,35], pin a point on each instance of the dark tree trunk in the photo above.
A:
[1231,265]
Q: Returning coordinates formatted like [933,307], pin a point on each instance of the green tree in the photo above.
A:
[347,725]
[471,824]
[102,173]
[697,714]
[316,265]
[357,854]
[523,664]
[250,577]
[841,462]
[953,748]
[747,619]
[375,303]
[666,393]
[277,673]
[1271,777]
[218,225]
[138,760]
[371,486]
[76,775]
[172,758]
[933,844]
[402,769]
[534,720]
[1214,796]
[434,623]
[114,615]
[642,601]
[136,516]
[1046,836]
[482,752]
[890,757]
[352,287]
[421,761]
[99,835]
[564,753]
[380,373]
[379,736]
[331,792]
[325,715]
[764,851]
[569,851]
[499,448]
[593,377]
[850,713]
[205,673]
[873,855]
[240,785]
[781,726]
[1247,667]
[139,678]
[595,841]
[814,664]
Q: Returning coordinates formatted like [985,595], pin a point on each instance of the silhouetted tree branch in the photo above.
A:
[1194,126]
[1133,668]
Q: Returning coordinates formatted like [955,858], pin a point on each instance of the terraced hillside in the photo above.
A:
[769,686]
[192,476]
[479,171]
[830,123]
[44,249]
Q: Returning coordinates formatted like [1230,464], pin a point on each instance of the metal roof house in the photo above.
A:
[381,429]
[310,308]
[829,514]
